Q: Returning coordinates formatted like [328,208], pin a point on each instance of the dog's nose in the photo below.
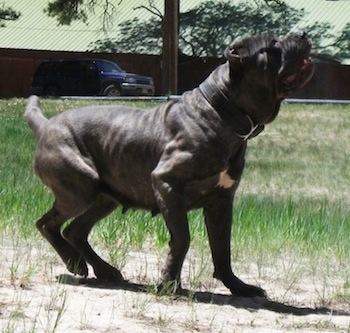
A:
[302,34]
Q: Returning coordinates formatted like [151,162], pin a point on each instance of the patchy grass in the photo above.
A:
[294,194]
[290,233]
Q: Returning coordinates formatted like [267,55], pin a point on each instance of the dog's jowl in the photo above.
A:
[171,159]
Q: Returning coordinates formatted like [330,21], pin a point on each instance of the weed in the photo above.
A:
[55,309]
[163,318]
[137,307]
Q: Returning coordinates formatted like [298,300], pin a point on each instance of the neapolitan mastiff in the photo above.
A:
[182,155]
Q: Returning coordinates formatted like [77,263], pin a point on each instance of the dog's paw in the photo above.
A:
[109,273]
[78,267]
[248,291]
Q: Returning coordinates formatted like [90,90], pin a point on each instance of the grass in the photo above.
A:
[294,195]
[291,216]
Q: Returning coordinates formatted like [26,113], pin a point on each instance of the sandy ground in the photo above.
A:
[37,295]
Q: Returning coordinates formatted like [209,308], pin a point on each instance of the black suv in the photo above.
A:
[87,77]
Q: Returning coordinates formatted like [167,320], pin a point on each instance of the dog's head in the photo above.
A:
[268,70]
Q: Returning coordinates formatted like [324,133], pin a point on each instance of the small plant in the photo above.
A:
[162,318]
[137,307]
[55,309]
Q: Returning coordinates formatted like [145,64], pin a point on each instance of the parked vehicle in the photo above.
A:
[87,77]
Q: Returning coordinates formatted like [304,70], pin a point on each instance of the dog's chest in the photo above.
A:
[198,190]
[225,180]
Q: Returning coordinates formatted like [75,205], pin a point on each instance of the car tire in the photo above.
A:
[51,91]
[112,91]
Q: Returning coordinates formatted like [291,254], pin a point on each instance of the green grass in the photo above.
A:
[294,196]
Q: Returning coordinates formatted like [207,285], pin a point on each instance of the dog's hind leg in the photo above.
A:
[50,227]
[75,186]
[77,235]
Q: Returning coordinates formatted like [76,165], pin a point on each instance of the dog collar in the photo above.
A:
[221,103]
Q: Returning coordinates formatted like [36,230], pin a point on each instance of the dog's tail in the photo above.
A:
[34,116]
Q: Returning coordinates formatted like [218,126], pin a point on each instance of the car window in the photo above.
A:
[109,67]
[89,68]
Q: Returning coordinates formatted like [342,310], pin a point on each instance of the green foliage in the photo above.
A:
[204,30]
[208,28]
[7,14]
[318,32]
[66,11]
[293,197]
[342,43]
[136,36]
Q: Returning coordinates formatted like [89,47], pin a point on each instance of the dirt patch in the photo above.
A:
[36,295]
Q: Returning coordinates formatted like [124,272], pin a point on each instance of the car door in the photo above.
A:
[89,78]
[70,78]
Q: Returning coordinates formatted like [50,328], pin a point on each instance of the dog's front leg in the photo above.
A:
[218,220]
[171,202]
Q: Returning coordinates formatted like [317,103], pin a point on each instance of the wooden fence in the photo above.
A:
[331,81]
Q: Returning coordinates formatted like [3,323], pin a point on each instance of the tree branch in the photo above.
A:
[8,14]
[152,9]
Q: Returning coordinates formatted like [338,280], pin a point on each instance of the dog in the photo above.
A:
[181,155]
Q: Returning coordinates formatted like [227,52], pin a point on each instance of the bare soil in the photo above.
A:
[37,295]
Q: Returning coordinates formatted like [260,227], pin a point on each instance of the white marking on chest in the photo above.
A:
[225,180]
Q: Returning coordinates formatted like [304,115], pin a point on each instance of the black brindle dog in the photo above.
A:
[179,156]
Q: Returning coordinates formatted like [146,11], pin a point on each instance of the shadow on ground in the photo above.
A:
[252,304]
